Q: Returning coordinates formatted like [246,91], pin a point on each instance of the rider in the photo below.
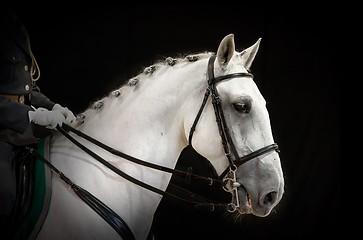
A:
[25,113]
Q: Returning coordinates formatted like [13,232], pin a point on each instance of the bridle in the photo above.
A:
[227,180]
[228,177]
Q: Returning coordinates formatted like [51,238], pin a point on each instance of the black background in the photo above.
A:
[84,52]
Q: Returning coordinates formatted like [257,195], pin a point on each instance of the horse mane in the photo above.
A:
[146,73]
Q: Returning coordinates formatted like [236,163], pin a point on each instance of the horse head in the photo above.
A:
[243,151]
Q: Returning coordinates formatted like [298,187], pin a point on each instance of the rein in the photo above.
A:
[116,222]
[188,175]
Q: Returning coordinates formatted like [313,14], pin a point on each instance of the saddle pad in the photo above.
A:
[34,219]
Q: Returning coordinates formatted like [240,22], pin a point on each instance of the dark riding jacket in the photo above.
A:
[15,80]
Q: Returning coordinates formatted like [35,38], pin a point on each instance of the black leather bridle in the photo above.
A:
[228,177]
[227,180]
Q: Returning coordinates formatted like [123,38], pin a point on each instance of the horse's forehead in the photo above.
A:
[241,87]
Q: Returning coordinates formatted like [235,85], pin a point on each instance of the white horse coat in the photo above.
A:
[150,118]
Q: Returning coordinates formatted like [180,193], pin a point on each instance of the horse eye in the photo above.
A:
[242,107]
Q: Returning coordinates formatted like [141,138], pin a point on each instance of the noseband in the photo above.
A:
[230,183]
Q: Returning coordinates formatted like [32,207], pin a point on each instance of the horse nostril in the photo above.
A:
[269,198]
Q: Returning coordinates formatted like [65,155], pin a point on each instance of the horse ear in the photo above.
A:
[225,50]
[249,54]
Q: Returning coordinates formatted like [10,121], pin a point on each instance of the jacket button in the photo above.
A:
[26,68]
[27,87]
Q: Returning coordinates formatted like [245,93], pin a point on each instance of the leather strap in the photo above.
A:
[15,98]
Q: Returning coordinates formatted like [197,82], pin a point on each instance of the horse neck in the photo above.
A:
[146,120]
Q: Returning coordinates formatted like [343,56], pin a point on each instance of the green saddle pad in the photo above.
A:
[34,218]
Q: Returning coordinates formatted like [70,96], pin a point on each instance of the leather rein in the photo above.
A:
[227,180]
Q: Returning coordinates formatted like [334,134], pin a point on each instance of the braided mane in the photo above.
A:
[133,83]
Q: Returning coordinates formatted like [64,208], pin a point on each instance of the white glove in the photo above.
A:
[44,117]
[70,119]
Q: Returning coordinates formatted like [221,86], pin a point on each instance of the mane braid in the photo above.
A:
[134,82]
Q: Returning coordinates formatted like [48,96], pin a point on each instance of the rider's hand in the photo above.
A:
[44,117]
[70,119]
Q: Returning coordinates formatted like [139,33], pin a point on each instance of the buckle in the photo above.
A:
[21,99]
